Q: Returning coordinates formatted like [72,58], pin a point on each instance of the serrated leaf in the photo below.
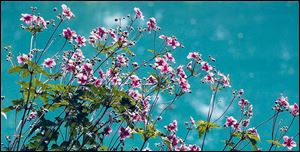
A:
[202,127]
[18,68]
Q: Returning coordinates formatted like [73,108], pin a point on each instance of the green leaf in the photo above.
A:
[7,109]
[55,147]
[275,142]
[17,101]
[128,51]
[253,143]
[103,148]
[251,136]
[18,68]
[237,134]
[152,51]
[202,127]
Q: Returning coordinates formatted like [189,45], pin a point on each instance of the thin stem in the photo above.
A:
[225,110]
[210,112]
[146,139]
[187,133]
[60,48]
[84,142]
[115,134]
[273,128]
[265,121]
[233,148]
[26,108]
[49,41]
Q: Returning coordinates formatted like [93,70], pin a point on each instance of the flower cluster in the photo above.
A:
[109,83]
[34,23]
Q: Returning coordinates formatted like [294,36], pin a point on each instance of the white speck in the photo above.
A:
[193,21]
[251,75]
[240,35]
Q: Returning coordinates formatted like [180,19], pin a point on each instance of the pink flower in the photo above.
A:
[135,117]
[135,81]
[87,68]
[236,126]
[243,102]
[138,13]
[185,86]
[97,82]
[182,147]
[209,78]
[189,65]
[67,11]
[205,66]
[174,43]
[283,101]
[181,72]
[151,80]
[92,39]
[121,59]
[49,63]
[146,104]
[100,32]
[250,110]
[230,121]
[69,34]
[294,110]
[159,62]
[254,132]
[78,54]
[193,55]
[41,22]
[245,122]
[289,142]
[22,59]
[80,40]
[124,133]
[82,79]
[194,148]
[113,34]
[27,18]
[151,24]
[172,127]
[173,139]
[169,57]
[70,67]
[135,94]
[192,120]
[32,115]
[101,74]
[116,80]
[165,69]
[110,72]
[224,79]
[164,38]
[107,130]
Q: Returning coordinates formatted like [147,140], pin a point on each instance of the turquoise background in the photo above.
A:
[255,42]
